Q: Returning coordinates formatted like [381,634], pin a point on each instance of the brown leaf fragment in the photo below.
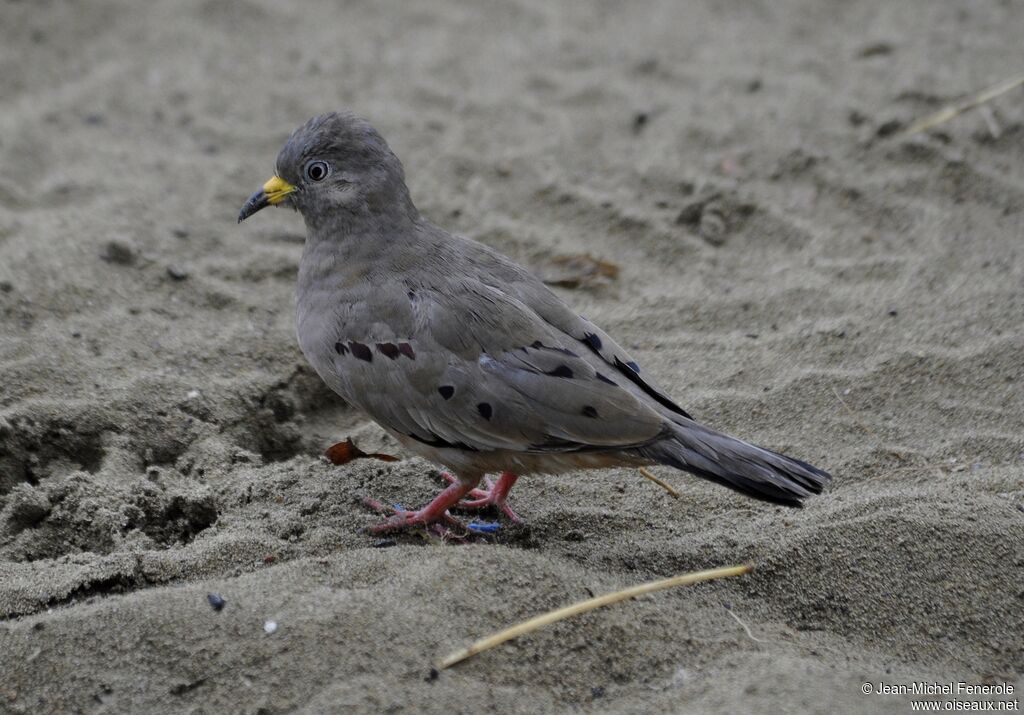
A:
[345,452]
[576,270]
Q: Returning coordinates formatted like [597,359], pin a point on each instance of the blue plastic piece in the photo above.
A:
[483,527]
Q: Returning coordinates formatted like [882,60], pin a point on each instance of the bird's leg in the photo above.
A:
[431,516]
[496,494]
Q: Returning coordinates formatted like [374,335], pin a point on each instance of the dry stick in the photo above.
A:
[588,605]
[947,113]
[661,483]
[745,626]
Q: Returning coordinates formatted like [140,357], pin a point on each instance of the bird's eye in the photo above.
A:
[317,170]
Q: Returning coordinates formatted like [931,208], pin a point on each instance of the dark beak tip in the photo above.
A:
[255,203]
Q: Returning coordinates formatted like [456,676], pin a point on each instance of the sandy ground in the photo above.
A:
[790,267]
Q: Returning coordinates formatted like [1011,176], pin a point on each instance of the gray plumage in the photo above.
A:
[464,356]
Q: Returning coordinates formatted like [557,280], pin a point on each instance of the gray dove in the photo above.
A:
[465,357]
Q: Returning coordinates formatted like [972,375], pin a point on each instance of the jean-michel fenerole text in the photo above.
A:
[932,688]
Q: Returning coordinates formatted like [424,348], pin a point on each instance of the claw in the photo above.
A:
[493,495]
[435,517]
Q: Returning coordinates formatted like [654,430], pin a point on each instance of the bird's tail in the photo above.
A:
[747,468]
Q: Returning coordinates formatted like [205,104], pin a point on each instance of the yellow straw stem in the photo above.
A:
[661,483]
[588,605]
[947,113]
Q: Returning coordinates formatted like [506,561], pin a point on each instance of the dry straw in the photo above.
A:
[588,605]
[660,482]
[947,113]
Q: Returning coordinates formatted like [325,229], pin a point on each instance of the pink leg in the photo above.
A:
[430,515]
[494,495]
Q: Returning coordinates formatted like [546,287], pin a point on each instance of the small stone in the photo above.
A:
[270,627]
[216,601]
[856,117]
[875,49]
[888,128]
[177,272]
[690,213]
[118,252]
[712,227]
[640,120]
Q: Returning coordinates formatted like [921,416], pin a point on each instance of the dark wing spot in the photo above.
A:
[360,351]
[602,378]
[593,342]
[538,345]
[388,349]
[561,371]
[589,411]
[406,349]
[446,391]
[340,348]
[633,366]
[485,410]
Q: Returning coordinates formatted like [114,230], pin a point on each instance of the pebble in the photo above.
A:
[177,272]
[269,627]
[217,602]
[118,252]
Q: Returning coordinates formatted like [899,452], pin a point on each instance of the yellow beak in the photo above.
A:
[273,192]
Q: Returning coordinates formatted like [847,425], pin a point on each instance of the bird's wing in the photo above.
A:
[582,335]
[475,368]
[619,364]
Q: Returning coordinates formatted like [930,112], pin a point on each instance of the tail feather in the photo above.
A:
[747,468]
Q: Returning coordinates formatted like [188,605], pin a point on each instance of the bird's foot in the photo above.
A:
[494,494]
[434,517]
[444,525]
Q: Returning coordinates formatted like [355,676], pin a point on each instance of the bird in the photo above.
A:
[465,357]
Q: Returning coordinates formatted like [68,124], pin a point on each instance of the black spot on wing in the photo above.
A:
[602,378]
[446,391]
[406,349]
[360,351]
[388,349]
[661,399]
[538,345]
[485,410]
[340,348]
[561,371]
[592,341]
[633,366]
[589,411]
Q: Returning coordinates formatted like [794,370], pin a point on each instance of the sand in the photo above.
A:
[790,267]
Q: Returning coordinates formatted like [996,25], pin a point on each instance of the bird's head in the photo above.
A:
[335,165]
